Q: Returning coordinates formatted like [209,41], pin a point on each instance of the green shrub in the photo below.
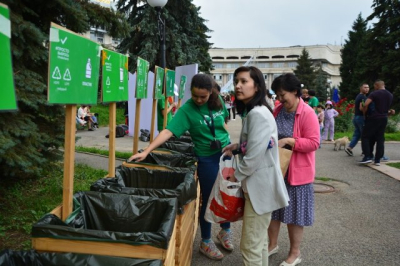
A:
[393,124]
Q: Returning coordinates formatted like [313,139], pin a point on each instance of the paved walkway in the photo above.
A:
[358,224]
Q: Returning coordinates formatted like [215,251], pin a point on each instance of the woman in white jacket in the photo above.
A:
[258,168]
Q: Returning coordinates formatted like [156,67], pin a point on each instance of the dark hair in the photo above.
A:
[320,106]
[216,86]
[259,97]
[287,82]
[311,92]
[205,82]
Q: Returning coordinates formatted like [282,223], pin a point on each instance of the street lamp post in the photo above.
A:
[158,5]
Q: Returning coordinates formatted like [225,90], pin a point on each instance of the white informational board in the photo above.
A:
[146,104]
[189,71]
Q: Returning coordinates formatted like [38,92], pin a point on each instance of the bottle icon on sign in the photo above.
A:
[121,74]
[88,69]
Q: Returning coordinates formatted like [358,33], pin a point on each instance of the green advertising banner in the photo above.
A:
[182,86]
[7,99]
[115,76]
[169,82]
[74,64]
[158,83]
[141,78]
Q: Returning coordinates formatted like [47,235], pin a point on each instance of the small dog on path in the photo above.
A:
[341,142]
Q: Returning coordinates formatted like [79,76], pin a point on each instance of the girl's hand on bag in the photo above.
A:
[138,157]
[232,178]
[227,150]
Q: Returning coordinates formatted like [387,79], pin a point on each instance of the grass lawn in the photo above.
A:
[24,203]
[388,136]
[104,114]
[395,165]
[119,155]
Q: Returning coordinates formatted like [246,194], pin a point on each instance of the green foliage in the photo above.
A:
[305,71]
[393,124]
[354,60]
[344,121]
[23,204]
[30,138]
[186,34]
[373,53]
[321,83]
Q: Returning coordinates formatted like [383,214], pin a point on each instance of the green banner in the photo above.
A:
[141,78]
[7,99]
[74,64]
[158,83]
[115,76]
[182,86]
[169,82]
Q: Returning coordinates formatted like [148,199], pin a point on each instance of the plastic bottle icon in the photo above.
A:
[121,74]
[88,69]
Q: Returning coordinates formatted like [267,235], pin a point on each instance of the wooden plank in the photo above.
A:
[136,129]
[98,248]
[170,256]
[153,167]
[111,139]
[197,211]
[153,118]
[69,160]
[57,211]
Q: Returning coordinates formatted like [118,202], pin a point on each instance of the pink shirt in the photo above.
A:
[307,134]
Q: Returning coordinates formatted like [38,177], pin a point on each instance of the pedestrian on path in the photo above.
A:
[258,170]
[298,129]
[204,117]
[329,116]
[358,120]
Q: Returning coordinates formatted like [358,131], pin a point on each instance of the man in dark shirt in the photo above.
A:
[358,120]
[375,123]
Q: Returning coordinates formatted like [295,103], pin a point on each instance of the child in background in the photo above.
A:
[329,114]
[321,118]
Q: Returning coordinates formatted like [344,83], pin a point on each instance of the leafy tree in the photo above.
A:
[186,34]
[305,71]
[321,83]
[354,59]
[384,42]
[30,138]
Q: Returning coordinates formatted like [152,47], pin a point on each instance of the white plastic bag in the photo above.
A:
[226,201]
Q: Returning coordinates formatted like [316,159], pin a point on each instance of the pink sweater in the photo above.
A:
[306,132]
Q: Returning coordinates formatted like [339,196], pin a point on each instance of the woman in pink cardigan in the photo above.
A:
[298,129]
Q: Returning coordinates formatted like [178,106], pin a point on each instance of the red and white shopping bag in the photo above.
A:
[226,201]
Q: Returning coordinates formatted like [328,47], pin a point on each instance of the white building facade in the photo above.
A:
[274,61]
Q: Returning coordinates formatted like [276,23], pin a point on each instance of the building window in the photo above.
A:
[232,57]
[216,66]
[292,64]
[245,57]
[263,57]
[265,76]
[218,76]
[263,65]
[278,65]
[218,57]
[97,36]
[293,56]
[278,56]
[233,65]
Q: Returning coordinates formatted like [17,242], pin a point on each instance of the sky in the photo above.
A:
[280,23]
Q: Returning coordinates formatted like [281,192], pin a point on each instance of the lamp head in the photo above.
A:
[157,3]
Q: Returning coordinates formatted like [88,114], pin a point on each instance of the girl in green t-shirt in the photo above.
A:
[204,117]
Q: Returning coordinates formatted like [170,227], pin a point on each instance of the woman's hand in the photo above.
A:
[227,150]
[286,141]
[138,157]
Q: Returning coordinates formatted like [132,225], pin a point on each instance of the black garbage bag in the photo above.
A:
[179,146]
[173,160]
[112,217]
[33,258]
[178,183]
[183,138]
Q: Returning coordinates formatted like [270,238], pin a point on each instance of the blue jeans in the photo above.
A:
[207,171]
[358,122]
